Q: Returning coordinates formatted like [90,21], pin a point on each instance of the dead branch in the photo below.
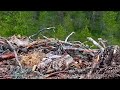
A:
[79,49]
[44,37]
[116,47]
[7,56]
[1,42]
[69,36]
[95,43]
[102,42]
[54,73]
[41,31]
[16,57]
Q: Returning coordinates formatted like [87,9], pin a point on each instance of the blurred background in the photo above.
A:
[95,24]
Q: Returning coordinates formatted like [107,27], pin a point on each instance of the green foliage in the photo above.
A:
[111,26]
[83,34]
[47,19]
[68,24]
[110,22]
[95,24]
[60,32]
[16,23]
[79,20]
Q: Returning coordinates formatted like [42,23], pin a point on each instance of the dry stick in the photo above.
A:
[68,36]
[16,57]
[41,31]
[115,49]
[55,73]
[101,41]
[93,66]
[45,37]
[66,42]
[7,56]
[95,43]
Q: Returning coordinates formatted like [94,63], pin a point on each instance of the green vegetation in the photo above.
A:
[95,24]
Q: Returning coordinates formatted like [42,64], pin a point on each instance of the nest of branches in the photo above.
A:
[50,58]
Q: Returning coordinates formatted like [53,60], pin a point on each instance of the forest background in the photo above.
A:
[95,24]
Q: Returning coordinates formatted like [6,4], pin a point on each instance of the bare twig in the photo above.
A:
[45,37]
[7,56]
[41,31]
[95,43]
[34,67]
[102,42]
[54,73]
[116,47]
[69,36]
[16,57]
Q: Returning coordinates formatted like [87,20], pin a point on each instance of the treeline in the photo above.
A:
[95,24]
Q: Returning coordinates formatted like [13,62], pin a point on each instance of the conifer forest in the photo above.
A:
[59,44]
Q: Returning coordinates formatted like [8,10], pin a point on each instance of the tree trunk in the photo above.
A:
[36,15]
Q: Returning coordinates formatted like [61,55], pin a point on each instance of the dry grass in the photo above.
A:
[32,59]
